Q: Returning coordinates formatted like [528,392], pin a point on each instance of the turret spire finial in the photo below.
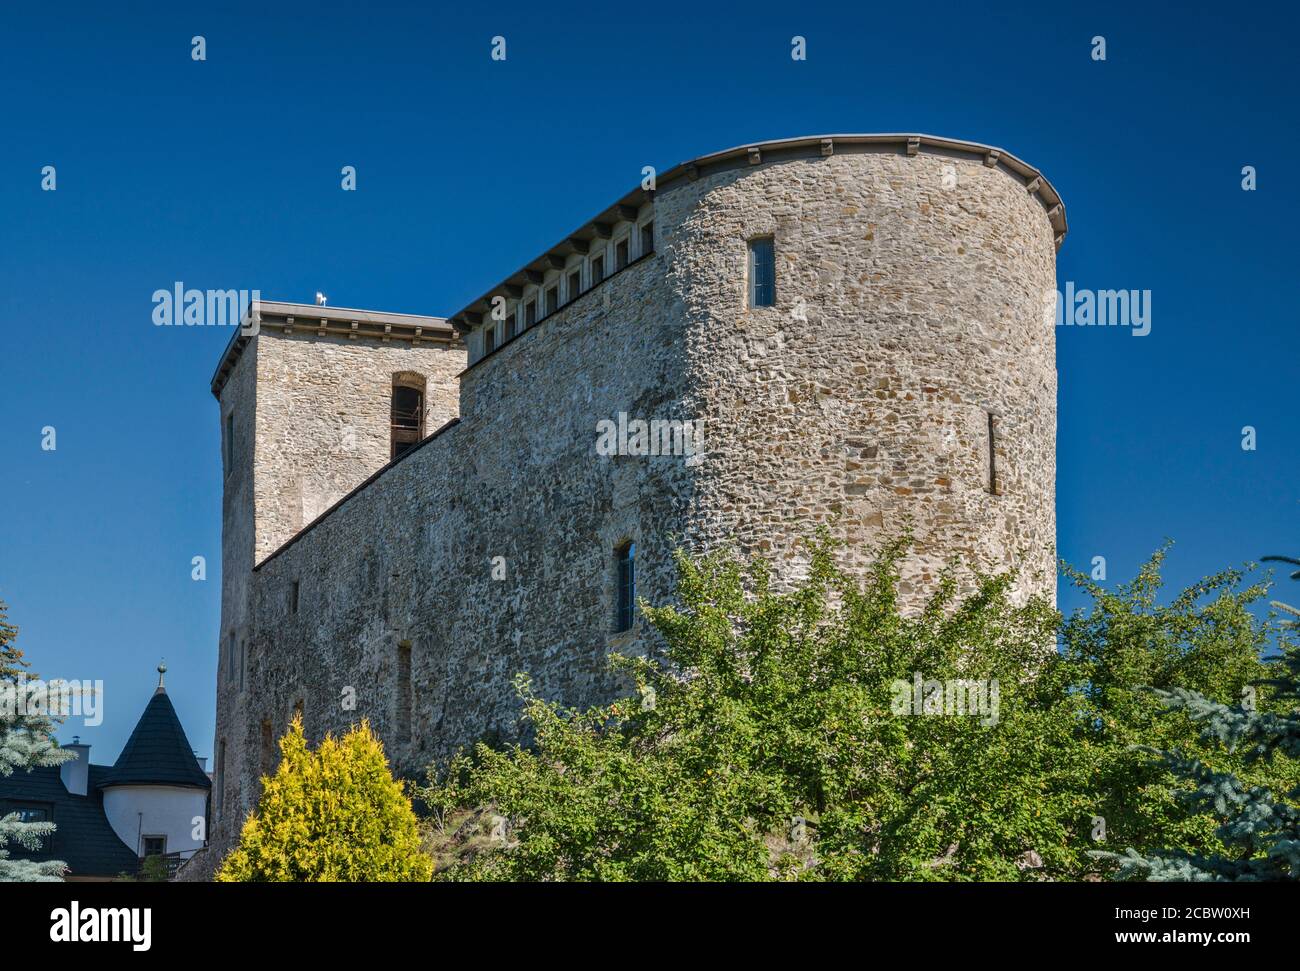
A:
[162,669]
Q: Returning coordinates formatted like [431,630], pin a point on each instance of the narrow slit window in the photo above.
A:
[762,272]
[648,238]
[993,453]
[625,556]
[408,419]
[293,598]
[404,691]
[620,254]
[575,284]
[221,778]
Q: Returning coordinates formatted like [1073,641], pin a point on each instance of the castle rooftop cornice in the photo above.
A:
[782,149]
[324,321]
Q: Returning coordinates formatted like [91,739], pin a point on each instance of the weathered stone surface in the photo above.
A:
[907,310]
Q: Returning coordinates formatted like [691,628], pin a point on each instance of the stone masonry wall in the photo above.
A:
[323,420]
[908,309]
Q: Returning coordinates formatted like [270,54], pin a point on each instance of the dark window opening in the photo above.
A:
[552,300]
[155,846]
[620,254]
[762,272]
[510,327]
[993,454]
[648,238]
[489,339]
[28,812]
[575,284]
[293,597]
[597,269]
[408,419]
[530,314]
[626,582]
[404,691]
[221,778]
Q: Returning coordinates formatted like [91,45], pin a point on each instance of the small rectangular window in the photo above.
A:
[510,326]
[155,846]
[648,238]
[620,254]
[293,598]
[762,272]
[530,314]
[489,339]
[552,300]
[575,284]
[597,269]
[27,812]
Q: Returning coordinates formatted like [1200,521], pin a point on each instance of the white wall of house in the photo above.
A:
[135,812]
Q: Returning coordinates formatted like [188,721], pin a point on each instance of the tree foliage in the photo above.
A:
[26,743]
[335,814]
[1258,831]
[763,738]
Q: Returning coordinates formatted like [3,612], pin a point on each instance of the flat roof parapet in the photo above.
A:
[346,322]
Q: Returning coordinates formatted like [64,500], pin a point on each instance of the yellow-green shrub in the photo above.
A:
[335,814]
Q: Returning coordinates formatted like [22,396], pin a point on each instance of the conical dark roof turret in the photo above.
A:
[157,753]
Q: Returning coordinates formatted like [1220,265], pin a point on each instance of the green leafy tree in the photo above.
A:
[769,743]
[1258,831]
[25,744]
[335,814]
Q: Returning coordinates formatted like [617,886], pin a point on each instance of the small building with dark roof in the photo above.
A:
[152,801]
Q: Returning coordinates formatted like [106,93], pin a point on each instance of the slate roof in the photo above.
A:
[157,753]
[82,838]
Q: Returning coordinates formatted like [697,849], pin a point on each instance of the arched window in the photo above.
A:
[407,413]
[625,558]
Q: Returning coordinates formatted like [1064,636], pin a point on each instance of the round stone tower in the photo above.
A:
[904,369]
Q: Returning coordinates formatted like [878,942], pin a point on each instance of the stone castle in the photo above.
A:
[416,509]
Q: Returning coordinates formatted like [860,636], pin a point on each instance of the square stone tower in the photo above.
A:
[314,401]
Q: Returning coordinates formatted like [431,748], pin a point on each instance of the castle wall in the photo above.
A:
[906,312]
[323,420]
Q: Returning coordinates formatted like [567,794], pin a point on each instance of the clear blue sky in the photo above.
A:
[225,173]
